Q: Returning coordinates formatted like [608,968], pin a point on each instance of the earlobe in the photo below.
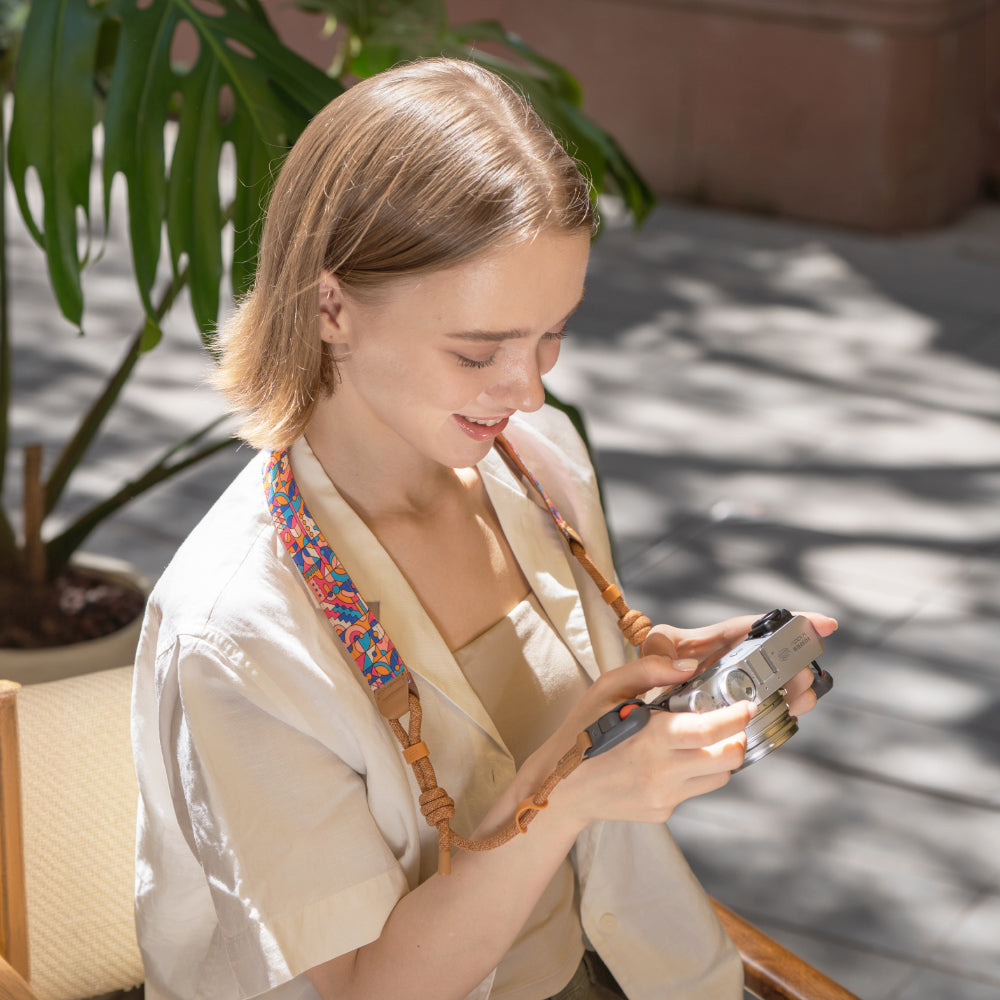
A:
[331,302]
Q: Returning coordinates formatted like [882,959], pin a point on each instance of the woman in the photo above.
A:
[426,243]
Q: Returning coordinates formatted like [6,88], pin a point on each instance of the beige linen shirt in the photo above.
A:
[278,823]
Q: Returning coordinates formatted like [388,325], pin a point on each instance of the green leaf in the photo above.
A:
[194,212]
[272,89]
[279,89]
[558,80]
[556,97]
[151,335]
[134,119]
[51,131]
[59,549]
[378,21]
[254,178]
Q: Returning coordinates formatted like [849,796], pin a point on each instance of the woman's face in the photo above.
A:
[442,360]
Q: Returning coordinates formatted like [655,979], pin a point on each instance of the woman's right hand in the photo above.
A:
[674,757]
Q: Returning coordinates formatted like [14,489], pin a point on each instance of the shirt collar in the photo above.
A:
[534,540]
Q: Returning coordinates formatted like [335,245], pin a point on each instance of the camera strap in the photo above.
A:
[382,667]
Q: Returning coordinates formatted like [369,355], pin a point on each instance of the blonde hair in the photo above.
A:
[417,169]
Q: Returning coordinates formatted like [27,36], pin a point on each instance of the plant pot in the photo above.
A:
[117,649]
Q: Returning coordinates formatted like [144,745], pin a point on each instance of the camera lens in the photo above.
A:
[770,727]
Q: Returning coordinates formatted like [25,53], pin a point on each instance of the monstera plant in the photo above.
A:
[82,76]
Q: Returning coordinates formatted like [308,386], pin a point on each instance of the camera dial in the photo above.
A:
[738,686]
[697,700]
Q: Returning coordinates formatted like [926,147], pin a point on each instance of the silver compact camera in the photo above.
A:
[777,647]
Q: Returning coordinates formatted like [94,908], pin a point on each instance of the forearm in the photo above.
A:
[445,936]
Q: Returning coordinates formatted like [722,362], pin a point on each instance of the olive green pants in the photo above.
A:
[591,981]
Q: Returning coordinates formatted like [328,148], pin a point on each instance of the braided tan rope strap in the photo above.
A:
[438,807]
[634,624]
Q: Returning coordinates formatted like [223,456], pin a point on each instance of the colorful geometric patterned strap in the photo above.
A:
[360,631]
[352,620]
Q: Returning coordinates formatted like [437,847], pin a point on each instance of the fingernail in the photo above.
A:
[686,665]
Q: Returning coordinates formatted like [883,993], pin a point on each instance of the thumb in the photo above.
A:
[659,642]
[633,680]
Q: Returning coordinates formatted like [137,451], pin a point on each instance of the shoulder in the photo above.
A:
[230,579]
[554,452]
[218,549]
[549,436]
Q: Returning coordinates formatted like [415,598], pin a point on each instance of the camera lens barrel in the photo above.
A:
[771,727]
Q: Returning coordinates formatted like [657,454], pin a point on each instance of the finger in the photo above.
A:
[712,642]
[707,644]
[727,754]
[693,730]
[661,641]
[823,624]
[799,694]
[632,680]
[802,703]
[712,766]
[705,783]
[801,682]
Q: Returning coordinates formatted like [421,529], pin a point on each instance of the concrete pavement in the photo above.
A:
[792,416]
[783,416]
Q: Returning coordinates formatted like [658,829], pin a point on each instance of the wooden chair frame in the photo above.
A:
[772,972]
[13,903]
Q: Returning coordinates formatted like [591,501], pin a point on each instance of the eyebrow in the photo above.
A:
[498,336]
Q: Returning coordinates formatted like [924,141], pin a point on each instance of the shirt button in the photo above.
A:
[608,923]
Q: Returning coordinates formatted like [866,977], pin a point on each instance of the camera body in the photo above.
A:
[778,646]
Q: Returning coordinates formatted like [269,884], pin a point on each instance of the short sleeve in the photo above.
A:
[298,870]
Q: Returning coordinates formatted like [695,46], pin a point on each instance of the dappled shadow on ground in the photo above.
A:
[791,417]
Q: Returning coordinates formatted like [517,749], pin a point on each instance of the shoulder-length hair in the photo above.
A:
[417,169]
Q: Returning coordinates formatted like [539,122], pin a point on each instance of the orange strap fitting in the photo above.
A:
[416,752]
[527,806]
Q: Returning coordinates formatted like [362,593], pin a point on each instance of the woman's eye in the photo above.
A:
[475,362]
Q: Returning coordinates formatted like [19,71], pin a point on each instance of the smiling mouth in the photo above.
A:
[483,422]
[482,428]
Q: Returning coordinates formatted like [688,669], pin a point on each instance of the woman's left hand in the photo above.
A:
[705,645]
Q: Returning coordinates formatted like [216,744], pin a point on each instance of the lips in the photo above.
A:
[481,428]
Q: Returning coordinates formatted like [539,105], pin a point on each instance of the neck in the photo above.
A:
[384,479]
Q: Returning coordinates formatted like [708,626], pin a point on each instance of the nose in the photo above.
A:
[520,387]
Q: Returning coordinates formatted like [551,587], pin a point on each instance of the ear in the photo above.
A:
[331,309]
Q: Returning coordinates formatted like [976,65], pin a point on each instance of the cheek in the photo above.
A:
[444,385]
[548,355]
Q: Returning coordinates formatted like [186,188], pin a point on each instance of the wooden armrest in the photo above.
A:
[771,971]
[12,986]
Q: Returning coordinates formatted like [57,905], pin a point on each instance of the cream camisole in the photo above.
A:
[527,679]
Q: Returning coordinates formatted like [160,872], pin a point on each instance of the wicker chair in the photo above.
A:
[71,910]
[67,829]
